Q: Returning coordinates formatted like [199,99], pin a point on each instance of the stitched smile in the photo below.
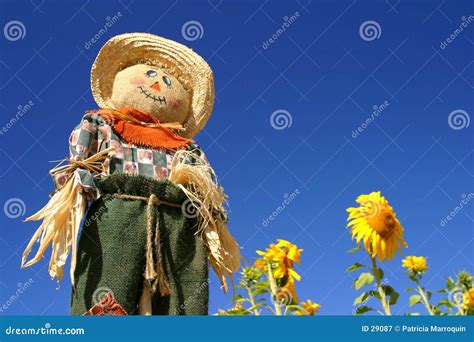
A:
[160,99]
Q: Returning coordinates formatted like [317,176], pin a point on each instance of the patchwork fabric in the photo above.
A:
[107,306]
[94,134]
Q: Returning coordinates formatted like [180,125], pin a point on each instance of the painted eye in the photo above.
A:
[151,73]
[167,80]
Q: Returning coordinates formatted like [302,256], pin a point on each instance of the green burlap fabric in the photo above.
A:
[111,251]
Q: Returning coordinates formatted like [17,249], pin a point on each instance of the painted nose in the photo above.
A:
[156,86]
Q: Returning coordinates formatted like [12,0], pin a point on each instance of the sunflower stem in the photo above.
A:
[424,298]
[252,301]
[383,296]
[274,290]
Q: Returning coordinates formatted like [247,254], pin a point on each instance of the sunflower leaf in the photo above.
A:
[391,293]
[354,267]
[355,249]
[294,308]
[362,309]
[239,298]
[450,284]
[375,293]
[394,298]
[379,273]
[414,299]
[361,299]
[364,279]
[446,303]
[259,291]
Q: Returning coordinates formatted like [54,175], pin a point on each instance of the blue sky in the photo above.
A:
[323,73]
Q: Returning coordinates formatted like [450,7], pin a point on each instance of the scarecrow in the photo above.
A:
[154,211]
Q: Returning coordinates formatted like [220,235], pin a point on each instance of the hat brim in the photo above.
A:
[133,48]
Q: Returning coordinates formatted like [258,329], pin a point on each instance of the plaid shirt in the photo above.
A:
[94,134]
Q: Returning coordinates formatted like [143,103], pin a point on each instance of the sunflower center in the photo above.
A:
[383,223]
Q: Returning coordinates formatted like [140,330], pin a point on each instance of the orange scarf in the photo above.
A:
[139,128]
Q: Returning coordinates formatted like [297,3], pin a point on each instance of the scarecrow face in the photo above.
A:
[151,90]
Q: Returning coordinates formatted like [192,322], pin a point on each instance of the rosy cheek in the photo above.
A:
[138,81]
[173,103]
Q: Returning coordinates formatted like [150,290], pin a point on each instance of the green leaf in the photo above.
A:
[394,298]
[354,267]
[388,289]
[391,293]
[446,303]
[414,299]
[375,293]
[379,274]
[240,312]
[239,298]
[263,284]
[450,284]
[259,291]
[362,309]
[409,289]
[294,308]
[361,299]
[355,249]
[364,279]
[429,294]
[256,306]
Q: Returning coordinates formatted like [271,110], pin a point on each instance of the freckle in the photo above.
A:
[139,81]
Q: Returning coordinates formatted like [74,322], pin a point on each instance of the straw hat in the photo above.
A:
[187,66]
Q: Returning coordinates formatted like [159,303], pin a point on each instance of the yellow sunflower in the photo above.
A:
[281,256]
[415,264]
[375,222]
[309,307]
[468,299]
